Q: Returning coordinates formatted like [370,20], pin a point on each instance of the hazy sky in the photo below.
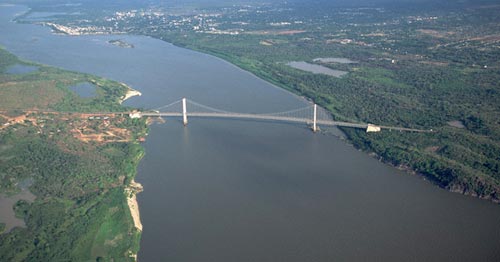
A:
[112,4]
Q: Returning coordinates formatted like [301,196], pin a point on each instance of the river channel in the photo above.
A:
[228,190]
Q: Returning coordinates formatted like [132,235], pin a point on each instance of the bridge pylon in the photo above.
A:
[184,112]
[315,127]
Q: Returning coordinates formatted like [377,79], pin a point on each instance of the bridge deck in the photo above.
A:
[276,118]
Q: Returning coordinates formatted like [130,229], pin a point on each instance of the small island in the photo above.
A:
[120,43]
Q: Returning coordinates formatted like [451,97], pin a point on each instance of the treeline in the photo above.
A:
[87,228]
[413,91]
[80,212]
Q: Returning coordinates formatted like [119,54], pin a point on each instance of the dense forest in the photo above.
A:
[80,212]
[463,159]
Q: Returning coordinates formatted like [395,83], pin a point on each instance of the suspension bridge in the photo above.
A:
[311,115]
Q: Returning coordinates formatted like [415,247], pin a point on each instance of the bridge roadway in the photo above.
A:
[277,118]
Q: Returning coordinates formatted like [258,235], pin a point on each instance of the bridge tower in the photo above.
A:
[315,127]
[184,112]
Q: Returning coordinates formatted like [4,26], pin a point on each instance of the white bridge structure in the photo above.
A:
[311,115]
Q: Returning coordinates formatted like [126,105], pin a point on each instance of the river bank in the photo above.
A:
[448,173]
[130,93]
[76,187]
[132,190]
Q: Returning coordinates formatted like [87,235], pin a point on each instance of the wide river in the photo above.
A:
[227,190]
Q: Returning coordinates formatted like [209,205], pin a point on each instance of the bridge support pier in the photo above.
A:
[315,127]
[184,112]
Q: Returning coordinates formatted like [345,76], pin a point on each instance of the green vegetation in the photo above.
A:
[409,93]
[83,229]
[420,64]
[424,65]
[428,65]
[81,211]
[47,89]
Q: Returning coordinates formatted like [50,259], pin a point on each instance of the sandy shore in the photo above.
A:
[130,93]
[131,191]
